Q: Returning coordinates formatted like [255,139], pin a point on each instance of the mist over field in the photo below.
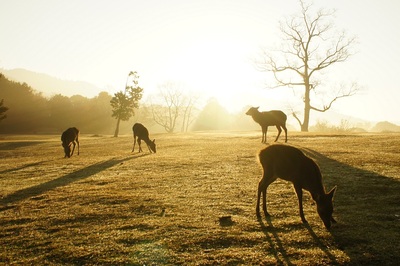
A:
[48,111]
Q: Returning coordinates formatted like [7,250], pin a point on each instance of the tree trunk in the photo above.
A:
[304,126]
[117,128]
[307,108]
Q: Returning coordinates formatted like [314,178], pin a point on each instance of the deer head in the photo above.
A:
[325,208]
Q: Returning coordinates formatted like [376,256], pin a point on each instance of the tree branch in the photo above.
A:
[351,91]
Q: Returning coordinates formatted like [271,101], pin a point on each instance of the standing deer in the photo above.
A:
[142,133]
[68,138]
[291,164]
[265,119]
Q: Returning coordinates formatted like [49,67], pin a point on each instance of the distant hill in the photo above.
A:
[49,85]
[385,126]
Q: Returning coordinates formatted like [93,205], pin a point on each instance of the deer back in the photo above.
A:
[270,118]
[289,163]
[142,133]
[69,135]
[274,117]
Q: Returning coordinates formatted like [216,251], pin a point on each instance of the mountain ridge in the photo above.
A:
[49,85]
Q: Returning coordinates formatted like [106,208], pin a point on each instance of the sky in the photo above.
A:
[207,46]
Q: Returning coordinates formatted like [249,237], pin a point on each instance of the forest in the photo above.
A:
[29,112]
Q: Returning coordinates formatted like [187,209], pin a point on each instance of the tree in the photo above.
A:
[173,106]
[3,109]
[61,113]
[124,103]
[98,117]
[188,110]
[308,49]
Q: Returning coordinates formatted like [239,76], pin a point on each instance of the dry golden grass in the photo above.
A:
[109,206]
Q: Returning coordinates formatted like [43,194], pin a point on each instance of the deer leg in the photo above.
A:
[265,135]
[73,149]
[77,141]
[134,143]
[140,145]
[258,199]
[279,132]
[299,192]
[285,129]
[69,150]
[264,132]
[262,188]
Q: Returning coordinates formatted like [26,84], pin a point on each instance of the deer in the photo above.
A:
[141,133]
[271,118]
[291,164]
[70,137]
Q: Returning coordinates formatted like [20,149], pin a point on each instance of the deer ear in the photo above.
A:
[154,141]
[332,192]
[257,107]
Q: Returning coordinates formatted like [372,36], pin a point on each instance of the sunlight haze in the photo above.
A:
[209,46]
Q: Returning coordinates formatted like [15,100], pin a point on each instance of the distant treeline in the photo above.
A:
[29,112]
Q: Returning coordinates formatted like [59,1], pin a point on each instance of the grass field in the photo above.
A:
[109,206]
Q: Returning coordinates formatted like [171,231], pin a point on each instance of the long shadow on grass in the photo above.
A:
[12,145]
[62,181]
[22,167]
[277,248]
[367,209]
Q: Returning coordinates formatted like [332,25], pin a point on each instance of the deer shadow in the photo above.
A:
[23,167]
[275,243]
[18,144]
[61,181]
[364,202]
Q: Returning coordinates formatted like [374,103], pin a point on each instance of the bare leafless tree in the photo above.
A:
[309,47]
[188,111]
[172,105]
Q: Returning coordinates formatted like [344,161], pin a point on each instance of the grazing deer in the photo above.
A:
[291,164]
[142,133]
[68,138]
[265,119]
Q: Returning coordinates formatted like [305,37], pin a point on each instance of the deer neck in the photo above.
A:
[317,192]
[257,117]
[147,140]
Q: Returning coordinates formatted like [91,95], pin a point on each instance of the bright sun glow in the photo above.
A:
[207,45]
[219,68]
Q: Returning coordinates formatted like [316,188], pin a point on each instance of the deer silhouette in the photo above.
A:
[289,163]
[265,119]
[141,133]
[70,137]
